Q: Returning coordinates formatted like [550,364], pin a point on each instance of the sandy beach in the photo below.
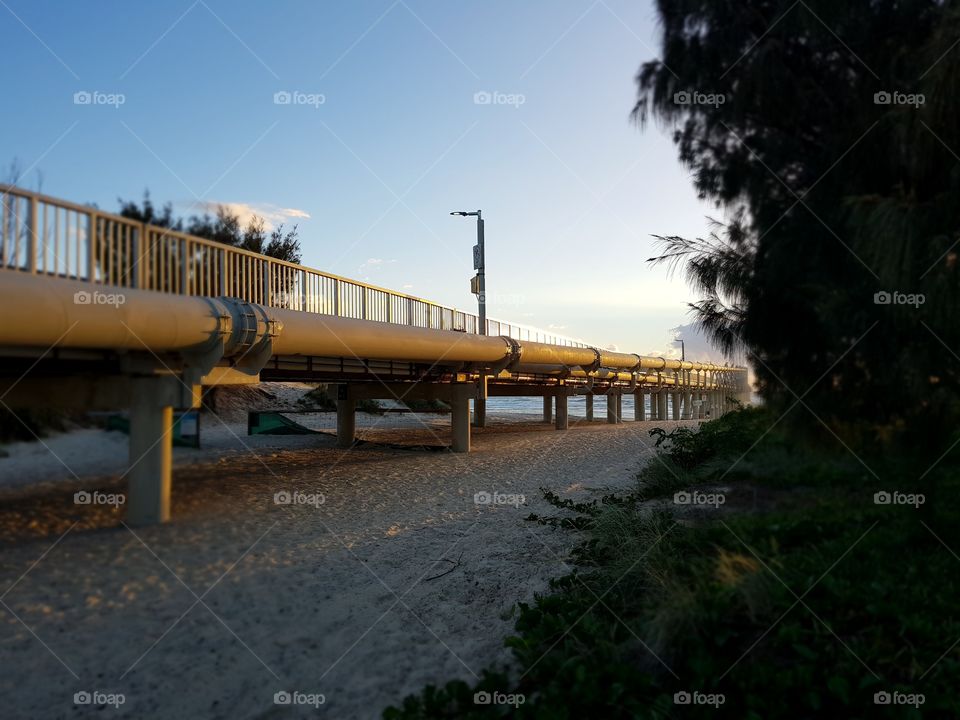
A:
[383,573]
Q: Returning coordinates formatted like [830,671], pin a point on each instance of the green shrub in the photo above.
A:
[802,609]
[321,400]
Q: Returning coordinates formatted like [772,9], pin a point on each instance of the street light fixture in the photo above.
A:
[478,284]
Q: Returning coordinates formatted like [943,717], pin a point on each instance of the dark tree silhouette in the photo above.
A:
[797,119]
[225,227]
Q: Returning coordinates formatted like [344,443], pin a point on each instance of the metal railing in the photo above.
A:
[48,236]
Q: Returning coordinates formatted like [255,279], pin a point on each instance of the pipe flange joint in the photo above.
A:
[595,365]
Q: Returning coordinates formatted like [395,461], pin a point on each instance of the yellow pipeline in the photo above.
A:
[51,312]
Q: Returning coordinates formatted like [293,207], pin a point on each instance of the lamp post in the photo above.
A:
[683,350]
[478,284]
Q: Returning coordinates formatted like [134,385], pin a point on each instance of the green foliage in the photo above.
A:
[319,399]
[689,447]
[373,407]
[803,608]
[832,197]
[224,228]
[28,424]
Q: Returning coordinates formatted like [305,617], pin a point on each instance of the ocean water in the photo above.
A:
[576,405]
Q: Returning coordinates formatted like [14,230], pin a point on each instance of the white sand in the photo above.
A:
[333,599]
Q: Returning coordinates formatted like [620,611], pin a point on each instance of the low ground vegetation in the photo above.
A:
[747,576]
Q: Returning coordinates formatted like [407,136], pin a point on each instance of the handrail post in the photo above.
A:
[92,229]
[222,271]
[267,281]
[184,248]
[32,230]
[133,268]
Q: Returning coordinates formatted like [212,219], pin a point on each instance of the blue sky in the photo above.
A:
[570,188]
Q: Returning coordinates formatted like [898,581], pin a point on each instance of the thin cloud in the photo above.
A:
[272,215]
[374,262]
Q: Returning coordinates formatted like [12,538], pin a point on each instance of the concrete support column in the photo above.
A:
[346,419]
[588,400]
[480,403]
[688,406]
[547,408]
[639,411]
[676,405]
[611,408]
[460,418]
[151,454]
[562,417]
[662,404]
[479,412]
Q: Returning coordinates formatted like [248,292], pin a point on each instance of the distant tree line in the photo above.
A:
[223,227]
